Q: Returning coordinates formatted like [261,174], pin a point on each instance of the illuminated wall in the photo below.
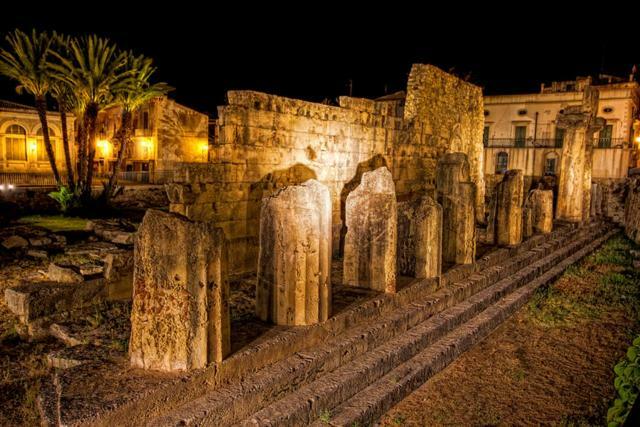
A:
[267,141]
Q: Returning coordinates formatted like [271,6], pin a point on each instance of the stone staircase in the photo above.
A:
[388,348]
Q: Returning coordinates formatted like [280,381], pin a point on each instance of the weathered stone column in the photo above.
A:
[294,261]
[457,196]
[420,238]
[574,186]
[370,242]
[180,312]
[509,202]
[596,199]
[540,203]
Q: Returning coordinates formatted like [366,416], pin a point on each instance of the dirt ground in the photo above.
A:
[551,363]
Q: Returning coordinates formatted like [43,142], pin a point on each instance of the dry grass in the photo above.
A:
[551,363]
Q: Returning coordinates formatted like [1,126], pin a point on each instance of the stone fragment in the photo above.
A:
[62,333]
[40,241]
[60,274]
[420,238]
[30,301]
[38,254]
[180,311]
[527,222]
[457,197]
[540,202]
[596,199]
[15,242]
[370,242]
[294,262]
[91,269]
[509,201]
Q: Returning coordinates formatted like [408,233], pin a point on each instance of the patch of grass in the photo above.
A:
[325,416]
[55,223]
[398,420]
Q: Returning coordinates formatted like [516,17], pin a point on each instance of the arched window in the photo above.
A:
[41,151]
[15,141]
[502,162]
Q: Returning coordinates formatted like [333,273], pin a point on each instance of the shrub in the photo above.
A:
[66,198]
[627,384]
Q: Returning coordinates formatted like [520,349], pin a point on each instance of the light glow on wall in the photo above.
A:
[104,146]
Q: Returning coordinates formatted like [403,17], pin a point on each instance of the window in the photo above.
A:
[502,162]
[16,143]
[485,136]
[550,166]
[145,120]
[521,136]
[559,139]
[41,151]
[604,141]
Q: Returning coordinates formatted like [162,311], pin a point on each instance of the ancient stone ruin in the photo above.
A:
[505,225]
[574,186]
[370,243]
[420,238]
[180,313]
[294,262]
[540,204]
[457,195]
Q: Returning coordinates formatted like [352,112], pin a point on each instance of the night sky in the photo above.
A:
[311,51]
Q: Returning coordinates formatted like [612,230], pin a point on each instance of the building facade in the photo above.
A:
[22,151]
[520,131]
[165,134]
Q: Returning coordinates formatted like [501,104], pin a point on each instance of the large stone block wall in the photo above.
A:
[267,142]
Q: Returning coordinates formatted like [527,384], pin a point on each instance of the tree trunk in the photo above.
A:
[41,106]
[81,161]
[92,118]
[67,151]
[124,136]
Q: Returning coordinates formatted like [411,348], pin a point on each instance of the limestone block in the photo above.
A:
[370,242]
[14,242]
[420,238]
[294,261]
[596,199]
[458,225]
[452,169]
[60,274]
[509,201]
[527,222]
[180,310]
[540,203]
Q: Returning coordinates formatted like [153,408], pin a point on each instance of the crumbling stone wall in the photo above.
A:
[267,142]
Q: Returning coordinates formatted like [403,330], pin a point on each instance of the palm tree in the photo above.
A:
[26,62]
[94,68]
[137,91]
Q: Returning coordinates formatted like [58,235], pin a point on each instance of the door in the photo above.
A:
[605,136]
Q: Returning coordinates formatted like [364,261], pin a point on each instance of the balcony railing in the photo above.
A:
[551,143]
[26,179]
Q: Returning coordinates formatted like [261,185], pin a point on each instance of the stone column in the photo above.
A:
[180,311]
[540,203]
[574,186]
[509,201]
[420,238]
[457,196]
[370,242]
[596,199]
[294,261]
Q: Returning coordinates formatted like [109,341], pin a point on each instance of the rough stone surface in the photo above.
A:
[267,142]
[294,264]
[370,242]
[57,273]
[509,200]
[574,186]
[596,199]
[180,312]
[419,250]
[15,242]
[540,203]
[458,209]
[632,210]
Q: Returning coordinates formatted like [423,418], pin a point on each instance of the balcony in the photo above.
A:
[551,143]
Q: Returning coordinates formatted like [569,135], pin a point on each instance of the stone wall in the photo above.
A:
[266,142]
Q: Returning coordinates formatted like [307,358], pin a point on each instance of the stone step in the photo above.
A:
[236,401]
[373,401]
[332,389]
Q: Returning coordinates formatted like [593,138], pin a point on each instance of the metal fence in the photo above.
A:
[30,179]
[551,143]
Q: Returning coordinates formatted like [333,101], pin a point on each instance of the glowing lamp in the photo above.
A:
[638,139]
[33,146]
[103,145]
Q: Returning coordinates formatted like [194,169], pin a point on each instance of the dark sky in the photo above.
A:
[312,50]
